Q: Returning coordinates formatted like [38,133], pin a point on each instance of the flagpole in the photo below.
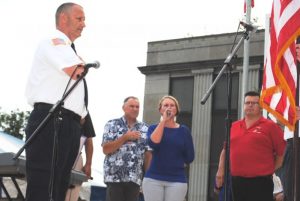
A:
[296,197]
[246,56]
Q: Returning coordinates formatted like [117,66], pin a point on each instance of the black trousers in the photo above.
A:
[39,154]
[122,191]
[252,189]
[287,172]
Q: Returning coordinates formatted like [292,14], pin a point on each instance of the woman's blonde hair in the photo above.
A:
[172,98]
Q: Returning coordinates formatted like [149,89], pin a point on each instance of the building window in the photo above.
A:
[218,126]
[183,90]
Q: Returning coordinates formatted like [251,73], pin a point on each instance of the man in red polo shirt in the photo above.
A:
[256,151]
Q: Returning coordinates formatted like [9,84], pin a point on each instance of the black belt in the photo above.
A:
[257,177]
[47,106]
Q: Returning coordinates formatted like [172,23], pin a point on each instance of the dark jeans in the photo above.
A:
[39,155]
[122,191]
[252,189]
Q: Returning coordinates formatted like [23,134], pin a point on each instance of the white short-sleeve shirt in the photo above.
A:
[47,80]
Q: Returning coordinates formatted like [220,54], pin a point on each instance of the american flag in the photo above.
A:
[58,41]
[280,69]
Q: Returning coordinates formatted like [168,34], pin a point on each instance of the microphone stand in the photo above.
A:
[227,66]
[53,111]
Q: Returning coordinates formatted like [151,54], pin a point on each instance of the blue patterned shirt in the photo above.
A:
[126,163]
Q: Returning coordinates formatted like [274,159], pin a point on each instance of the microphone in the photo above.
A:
[248,27]
[168,113]
[96,65]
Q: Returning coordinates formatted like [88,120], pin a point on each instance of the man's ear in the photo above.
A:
[63,18]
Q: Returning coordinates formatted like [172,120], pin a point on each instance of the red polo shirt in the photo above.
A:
[253,150]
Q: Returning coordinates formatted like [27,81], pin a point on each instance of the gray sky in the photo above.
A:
[116,34]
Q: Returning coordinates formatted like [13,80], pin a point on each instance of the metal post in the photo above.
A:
[246,57]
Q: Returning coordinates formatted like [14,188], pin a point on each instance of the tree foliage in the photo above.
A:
[14,123]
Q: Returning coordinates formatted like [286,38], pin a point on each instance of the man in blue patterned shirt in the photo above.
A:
[127,153]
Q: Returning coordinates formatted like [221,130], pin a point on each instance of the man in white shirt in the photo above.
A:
[54,70]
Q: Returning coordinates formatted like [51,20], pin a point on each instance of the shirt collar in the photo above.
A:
[261,119]
[125,122]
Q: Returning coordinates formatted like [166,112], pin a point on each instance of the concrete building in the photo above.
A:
[186,68]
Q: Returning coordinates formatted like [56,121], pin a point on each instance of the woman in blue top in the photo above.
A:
[173,148]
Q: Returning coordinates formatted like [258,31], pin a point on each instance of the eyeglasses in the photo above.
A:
[251,103]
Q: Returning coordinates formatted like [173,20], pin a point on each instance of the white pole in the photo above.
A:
[246,58]
[266,50]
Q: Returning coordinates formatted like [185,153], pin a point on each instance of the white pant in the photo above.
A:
[156,190]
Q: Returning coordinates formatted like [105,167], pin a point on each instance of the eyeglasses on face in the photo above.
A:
[251,103]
